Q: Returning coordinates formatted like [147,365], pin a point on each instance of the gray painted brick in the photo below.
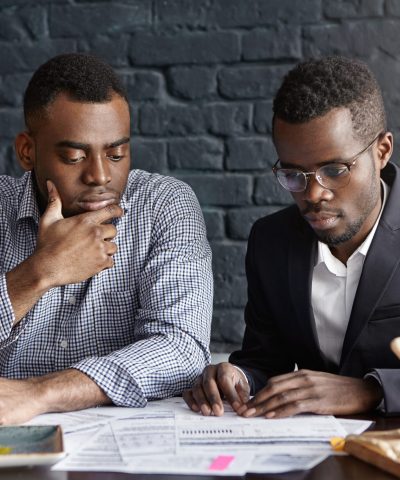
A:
[214,219]
[263,117]
[269,192]
[228,258]
[184,48]
[22,24]
[11,121]
[34,20]
[227,329]
[227,118]
[171,120]
[238,13]
[230,291]
[22,3]
[240,220]
[181,13]
[393,7]
[81,20]
[250,153]
[235,13]
[150,155]
[251,81]
[192,82]
[274,42]
[112,49]
[391,92]
[197,153]
[353,8]
[26,57]
[143,85]
[353,38]
[12,88]
[134,111]
[221,190]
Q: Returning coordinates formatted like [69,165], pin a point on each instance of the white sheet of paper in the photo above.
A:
[73,421]
[231,430]
[146,433]
[354,426]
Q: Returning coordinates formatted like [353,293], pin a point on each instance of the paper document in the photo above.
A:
[166,437]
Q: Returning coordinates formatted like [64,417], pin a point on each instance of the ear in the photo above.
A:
[385,149]
[24,147]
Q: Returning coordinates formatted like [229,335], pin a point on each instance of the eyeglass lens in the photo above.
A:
[329,176]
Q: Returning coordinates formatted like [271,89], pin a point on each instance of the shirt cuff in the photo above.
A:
[243,372]
[381,407]
[116,383]
[8,332]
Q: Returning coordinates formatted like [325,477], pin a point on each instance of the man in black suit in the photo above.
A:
[323,275]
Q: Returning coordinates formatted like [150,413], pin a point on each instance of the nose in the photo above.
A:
[315,192]
[97,171]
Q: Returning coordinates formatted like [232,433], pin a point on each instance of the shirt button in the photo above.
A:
[72,300]
[64,344]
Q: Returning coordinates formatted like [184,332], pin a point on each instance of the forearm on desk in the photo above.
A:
[21,400]
[68,390]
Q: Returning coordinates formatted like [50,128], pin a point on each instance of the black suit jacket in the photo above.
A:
[280,327]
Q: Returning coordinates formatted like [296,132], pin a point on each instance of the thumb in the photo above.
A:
[53,211]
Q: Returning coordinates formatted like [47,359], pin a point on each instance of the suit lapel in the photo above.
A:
[379,265]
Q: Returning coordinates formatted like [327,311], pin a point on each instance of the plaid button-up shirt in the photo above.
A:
[141,329]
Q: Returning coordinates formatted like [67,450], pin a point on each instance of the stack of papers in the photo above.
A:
[166,437]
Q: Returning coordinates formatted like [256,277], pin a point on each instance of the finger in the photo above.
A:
[110,247]
[108,231]
[395,346]
[200,397]
[105,214]
[294,408]
[190,401]
[53,210]
[243,391]
[228,377]
[281,384]
[211,386]
[275,403]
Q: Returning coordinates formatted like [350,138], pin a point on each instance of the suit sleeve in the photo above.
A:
[264,352]
[389,378]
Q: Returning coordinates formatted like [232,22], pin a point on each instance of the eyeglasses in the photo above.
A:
[330,176]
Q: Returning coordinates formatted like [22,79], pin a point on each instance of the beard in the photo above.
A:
[351,230]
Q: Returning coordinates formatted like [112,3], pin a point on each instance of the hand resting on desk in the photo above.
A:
[303,391]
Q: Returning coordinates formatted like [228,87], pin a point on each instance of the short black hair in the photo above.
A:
[316,86]
[83,77]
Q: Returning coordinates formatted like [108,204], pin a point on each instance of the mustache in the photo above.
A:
[319,209]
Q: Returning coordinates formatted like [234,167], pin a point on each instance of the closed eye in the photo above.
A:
[73,161]
[115,158]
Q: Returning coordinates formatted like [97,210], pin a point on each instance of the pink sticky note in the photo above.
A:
[221,463]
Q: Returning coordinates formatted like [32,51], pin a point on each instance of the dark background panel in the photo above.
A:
[201,75]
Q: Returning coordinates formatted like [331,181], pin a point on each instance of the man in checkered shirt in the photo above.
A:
[106,283]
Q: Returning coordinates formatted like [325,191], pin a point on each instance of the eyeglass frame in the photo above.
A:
[348,163]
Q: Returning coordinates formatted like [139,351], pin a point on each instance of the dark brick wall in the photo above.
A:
[201,75]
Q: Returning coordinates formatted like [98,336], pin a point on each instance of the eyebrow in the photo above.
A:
[318,165]
[86,146]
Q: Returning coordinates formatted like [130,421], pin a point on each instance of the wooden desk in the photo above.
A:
[333,468]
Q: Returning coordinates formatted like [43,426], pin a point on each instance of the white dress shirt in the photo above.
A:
[334,286]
